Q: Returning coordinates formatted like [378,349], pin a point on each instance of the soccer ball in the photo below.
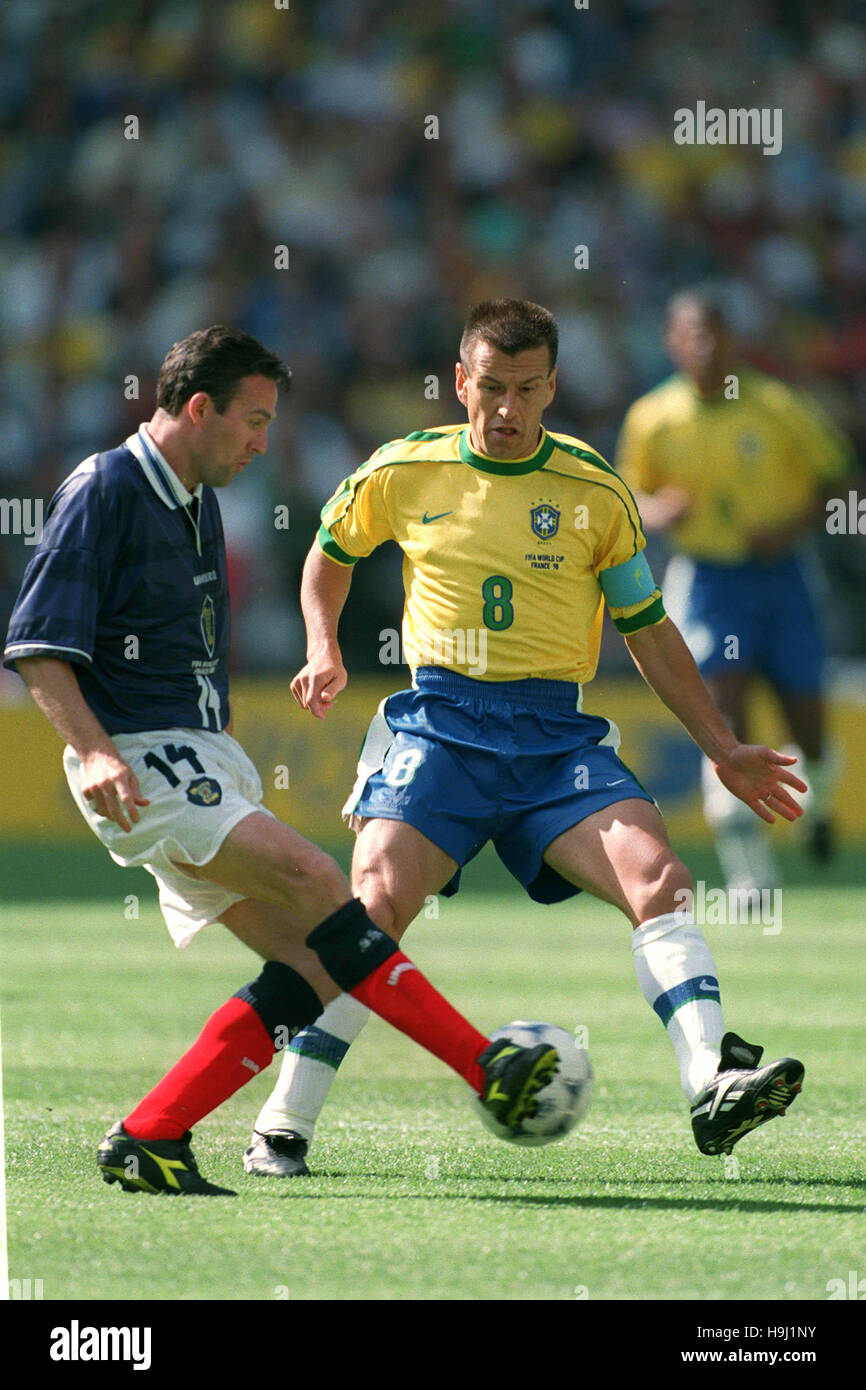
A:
[563,1101]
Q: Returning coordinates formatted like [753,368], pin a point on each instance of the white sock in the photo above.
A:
[677,974]
[309,1066]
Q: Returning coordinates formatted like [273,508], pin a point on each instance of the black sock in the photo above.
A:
[350,945]
[283,1001]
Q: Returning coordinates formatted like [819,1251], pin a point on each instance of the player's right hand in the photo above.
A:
[759,776]
[317,685]
[111,787]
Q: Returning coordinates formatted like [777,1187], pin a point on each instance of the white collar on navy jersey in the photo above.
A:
[160,474]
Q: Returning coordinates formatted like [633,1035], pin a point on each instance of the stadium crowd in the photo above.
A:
[412,159]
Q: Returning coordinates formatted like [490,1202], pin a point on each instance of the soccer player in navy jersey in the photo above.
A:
[132,548]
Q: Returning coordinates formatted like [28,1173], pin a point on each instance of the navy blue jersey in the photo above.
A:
[128,584]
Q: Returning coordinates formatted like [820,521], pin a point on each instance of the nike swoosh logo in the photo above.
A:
[425,520]
[707,986]
[616,783]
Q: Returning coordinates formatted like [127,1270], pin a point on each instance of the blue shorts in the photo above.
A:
[766,606]
[515,762]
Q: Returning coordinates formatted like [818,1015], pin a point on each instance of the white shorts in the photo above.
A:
[200,785]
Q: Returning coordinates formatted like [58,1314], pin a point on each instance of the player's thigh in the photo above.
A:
[622,855]
[395,869]
[269,862]
[274,933]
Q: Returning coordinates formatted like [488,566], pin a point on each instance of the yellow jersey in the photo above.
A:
[753,461]
[506,564]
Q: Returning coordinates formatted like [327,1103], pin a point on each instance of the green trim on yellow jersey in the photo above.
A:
[510,467]
[648,617]
[424,436]
[332,550]
[590,456]
[597,482]
[376,459]
[380,459]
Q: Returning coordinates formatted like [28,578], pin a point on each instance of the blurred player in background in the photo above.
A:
[513,539]
[121,632]
[737,468]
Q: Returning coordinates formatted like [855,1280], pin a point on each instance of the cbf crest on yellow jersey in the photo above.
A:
[750,461]
[506,563]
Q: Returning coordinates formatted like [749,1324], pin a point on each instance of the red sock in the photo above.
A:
[399,993]
[233,1047]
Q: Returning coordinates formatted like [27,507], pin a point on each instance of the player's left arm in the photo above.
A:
[757,774]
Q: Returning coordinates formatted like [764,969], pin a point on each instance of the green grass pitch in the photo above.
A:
[412,1199]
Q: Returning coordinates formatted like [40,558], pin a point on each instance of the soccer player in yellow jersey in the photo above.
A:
[738,468]
[513,540]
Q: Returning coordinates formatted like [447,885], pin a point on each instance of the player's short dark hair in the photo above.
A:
[512,326]
[215,360]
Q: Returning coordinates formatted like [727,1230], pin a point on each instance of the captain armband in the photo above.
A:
[629,584]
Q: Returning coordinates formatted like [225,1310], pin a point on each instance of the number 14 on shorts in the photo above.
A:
[202,790]
[174,754]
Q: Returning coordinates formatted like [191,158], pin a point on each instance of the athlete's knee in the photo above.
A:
[664,886]
[381,901]
[313,869]
[318,865]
